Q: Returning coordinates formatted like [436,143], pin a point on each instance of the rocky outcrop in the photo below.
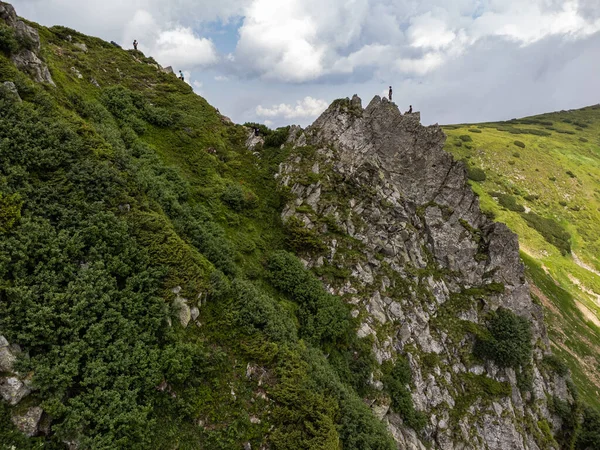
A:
[425,263]
[9,91]
[28,422]
[28,57]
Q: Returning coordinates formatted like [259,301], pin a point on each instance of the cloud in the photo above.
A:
[308,107]
[181,47]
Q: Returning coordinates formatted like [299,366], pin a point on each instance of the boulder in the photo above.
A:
[28,423]
[9,91]
[13,390]
[7,359]
[28,62]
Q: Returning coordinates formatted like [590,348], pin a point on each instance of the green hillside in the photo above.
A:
[541,176]
[123,194]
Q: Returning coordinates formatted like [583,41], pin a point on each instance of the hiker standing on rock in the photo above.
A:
[181,76]
[410,110]
[135,44]
[390,94]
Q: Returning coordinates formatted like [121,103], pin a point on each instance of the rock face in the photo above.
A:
[28,423]
[28,58]
[410,230]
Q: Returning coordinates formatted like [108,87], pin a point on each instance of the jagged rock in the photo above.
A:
[28,62]
[184,313]
[254,141]
[13,390]
[81,46]
[413,211]
[195,312]
[7,358]
[28,423]
[168,70]
[9,91]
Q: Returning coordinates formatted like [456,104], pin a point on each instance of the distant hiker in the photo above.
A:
[181,77]
[135,44]
[410,110]
[390,94]
[256,131]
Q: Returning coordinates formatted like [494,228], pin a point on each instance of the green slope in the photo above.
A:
[541,176]
[119,188]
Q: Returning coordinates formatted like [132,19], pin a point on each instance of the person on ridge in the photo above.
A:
[390,94]
[135,44]
[410,110]
[181,77]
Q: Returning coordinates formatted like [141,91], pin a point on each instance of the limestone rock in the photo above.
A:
[13,390]
[28,62]
[81,46]
[423,239]
[184,313]
[7,358]
[28,423]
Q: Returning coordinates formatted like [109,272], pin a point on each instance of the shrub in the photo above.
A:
[509,341]
[256,311]
[571,174]
[550,230]
[458,143]
[516,155]
[531,197]
[10,211]
[395,379]
[562,203]
[476,174]
[302,239]
[324,318]
[239,198]
[8,41]
[556,365]
[508,201]
[582,139]
[519,144]
[474,130]
[552,178]
[465,138]
[278,137]
[589,434]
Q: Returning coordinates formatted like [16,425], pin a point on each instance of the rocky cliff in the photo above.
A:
[424,270]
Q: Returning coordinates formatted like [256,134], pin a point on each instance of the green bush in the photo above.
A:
[531,197]
[516,155]
[519,144]
[508,201]
[509,341]
[465,138]
[588,437]
[10,211]
[302,239]
[550,230]
[324,318]
[476,174]
[458,143]
[571,174]
[8,41]
[396,377]
[255,311]
[556,364]
[582,139]
[239,198]
[278,137]
[474,130]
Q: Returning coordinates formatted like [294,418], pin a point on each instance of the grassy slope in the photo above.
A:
[537,177]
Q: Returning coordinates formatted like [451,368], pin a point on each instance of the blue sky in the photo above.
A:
[284,61]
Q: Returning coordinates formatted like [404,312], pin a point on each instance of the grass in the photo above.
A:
[556,179]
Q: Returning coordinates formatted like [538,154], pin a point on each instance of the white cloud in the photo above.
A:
[181,47]
[308,107]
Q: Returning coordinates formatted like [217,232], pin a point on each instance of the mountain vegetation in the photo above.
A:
[152,296]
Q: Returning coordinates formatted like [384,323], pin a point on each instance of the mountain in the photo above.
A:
[541,176]
[168,279]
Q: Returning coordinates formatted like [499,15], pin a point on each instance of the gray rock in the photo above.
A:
[9,91]
[28,62]
[184,313]
[13,390]
[28,423]
[77,73]
[7,358]
[81,46]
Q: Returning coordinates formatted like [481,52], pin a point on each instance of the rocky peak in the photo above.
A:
[27,58]
[415,241]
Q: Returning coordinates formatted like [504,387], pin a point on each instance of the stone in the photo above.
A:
[195,312]
[28,62]
[13,390]
[81,46]
[28,423]
[168,70]
[76,72]
[184,313]
[7,358]
[9,91]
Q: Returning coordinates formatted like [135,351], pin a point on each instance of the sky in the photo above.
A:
[283,62]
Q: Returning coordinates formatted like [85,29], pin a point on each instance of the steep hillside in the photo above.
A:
[541,176]
[169,280]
